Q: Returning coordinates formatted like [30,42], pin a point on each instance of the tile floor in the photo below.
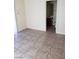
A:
[34,44]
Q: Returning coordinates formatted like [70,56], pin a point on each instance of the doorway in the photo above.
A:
[51,16]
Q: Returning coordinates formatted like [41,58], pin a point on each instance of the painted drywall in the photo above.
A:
[51,0]
[60,20]
[54,12]
[15,27]
[20,15]
[36,14]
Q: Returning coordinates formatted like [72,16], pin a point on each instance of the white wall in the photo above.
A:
[36,14]
[50,0]
[15,27]
[6,29]
[60,21]
[20,15]
[54,12]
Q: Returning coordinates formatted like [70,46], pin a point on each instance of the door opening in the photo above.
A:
[51,16]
